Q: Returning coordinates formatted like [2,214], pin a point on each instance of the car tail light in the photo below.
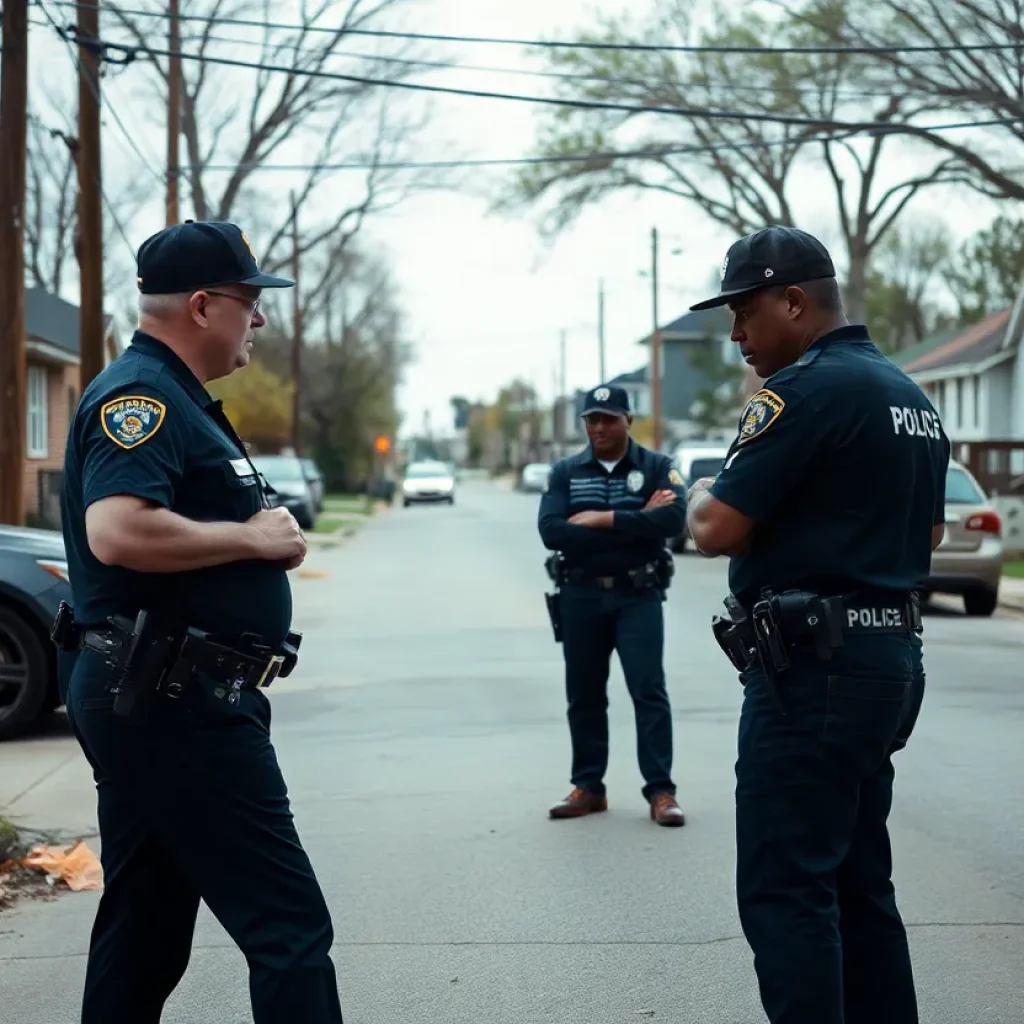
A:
[985,522]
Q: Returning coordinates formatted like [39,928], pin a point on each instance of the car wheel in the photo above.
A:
[406,503]
[451,501]
[981,602]
[24,671]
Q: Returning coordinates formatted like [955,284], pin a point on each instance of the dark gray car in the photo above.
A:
[33,582]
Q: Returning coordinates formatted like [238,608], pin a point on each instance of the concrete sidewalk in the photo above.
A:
[1011,593]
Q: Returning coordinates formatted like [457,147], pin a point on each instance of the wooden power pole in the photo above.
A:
[655,349]
[173,111]
[90,199]
[600,331]
[13,128]
[296,336]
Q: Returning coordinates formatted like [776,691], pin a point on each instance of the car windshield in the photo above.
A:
[280,468]
[961,489]
[705,467]
[425,469]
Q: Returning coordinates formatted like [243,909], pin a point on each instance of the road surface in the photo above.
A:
[424,741]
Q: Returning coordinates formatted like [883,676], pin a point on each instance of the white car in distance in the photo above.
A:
[428,481]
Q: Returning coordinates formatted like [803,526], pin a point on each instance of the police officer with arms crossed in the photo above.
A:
[164,514]
[831,499]
[607,513]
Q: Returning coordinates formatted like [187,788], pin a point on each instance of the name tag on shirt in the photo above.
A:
[243,471]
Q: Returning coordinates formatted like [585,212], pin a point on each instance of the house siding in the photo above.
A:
[61,389]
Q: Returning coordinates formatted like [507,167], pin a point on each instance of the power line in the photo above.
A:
[105,100]
[597,156]
[710,115]
[565,76]
[558,44]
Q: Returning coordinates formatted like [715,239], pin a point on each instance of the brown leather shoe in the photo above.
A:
[578,803]
[665,810]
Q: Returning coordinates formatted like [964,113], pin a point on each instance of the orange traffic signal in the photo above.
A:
[382,444]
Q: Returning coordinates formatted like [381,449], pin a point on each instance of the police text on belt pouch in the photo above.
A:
[181,619]
[829,505]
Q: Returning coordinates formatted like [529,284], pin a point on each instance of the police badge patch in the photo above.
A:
[635,480]
[763,409]
[132,420]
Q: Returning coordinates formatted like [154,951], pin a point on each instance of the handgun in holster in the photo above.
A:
[64,633]
[554,603]
[290,652]
[146,653]
[735,635]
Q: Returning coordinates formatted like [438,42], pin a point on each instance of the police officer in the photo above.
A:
[164,514]
[832,491]
[608,513]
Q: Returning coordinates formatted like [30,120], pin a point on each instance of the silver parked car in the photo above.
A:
[969,561]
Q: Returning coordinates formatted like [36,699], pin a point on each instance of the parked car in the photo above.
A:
[693,462]
[315,479]
[286,476]
[33,582]
[428,481]
[969,561]
[534,477]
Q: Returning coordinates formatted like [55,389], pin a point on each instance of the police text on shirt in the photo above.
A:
[915,422]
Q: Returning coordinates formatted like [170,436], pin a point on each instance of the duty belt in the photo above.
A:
[644,577]
[147,657]
[780,623]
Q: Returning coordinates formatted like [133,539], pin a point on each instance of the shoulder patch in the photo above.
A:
[674,478]
[131,420]
[763,409]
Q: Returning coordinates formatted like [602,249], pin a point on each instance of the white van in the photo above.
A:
[692,462]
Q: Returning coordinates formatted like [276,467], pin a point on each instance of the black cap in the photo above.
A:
[611,401]
[200,254]
[768,258]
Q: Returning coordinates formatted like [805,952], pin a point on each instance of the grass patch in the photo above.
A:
[1014,567]
[8,841]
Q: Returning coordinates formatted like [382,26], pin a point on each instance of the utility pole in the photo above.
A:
[655,349]
[13,128]
[90,199]
[173,111]
[600,330]
[296,336]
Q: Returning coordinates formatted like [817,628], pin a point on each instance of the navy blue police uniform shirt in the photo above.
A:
[580,483]
[841,462]
[146,427]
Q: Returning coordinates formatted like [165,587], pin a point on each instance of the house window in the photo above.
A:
[976,385]
[37,413]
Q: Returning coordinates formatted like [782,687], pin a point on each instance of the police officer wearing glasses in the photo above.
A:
[607,514]
[181,618]
[829,504]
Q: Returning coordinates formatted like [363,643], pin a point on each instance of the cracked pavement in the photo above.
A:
[423,740]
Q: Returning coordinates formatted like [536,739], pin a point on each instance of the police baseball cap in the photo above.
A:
[200,254]
[769,258]
[611,401]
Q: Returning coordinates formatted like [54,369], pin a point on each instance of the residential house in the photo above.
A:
[52,360]
[974,376]
[682,378]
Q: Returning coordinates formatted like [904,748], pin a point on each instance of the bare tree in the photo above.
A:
[974,84]
[286,104]
[737,169]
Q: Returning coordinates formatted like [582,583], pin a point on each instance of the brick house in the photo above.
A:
[52,388]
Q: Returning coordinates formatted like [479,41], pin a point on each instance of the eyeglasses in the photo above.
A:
[253,304]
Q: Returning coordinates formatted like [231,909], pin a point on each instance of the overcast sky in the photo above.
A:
[485,298]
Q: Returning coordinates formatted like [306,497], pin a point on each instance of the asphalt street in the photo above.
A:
[424,738]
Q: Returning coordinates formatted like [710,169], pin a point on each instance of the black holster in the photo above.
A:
[554,603]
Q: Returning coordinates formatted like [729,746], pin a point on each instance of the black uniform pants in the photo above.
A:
[814,864]
[192,806]
[595,623]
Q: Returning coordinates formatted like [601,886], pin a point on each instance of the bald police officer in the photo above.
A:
[163,514]
[829,504]
[607,513]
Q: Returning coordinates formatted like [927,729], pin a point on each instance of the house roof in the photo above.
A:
[49,318]
[701,323]
[633,377]
[962,346]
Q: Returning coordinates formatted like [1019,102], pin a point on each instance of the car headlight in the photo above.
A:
[55,567]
